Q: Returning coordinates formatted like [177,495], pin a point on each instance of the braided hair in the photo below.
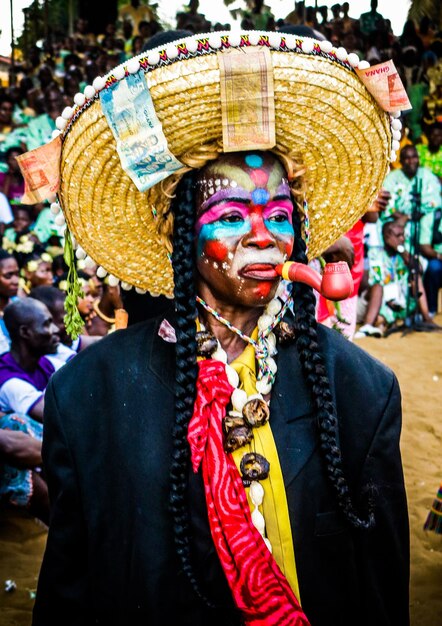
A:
[183,261]
[313,366]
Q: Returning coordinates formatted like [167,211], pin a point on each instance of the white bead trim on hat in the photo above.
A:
[113,280]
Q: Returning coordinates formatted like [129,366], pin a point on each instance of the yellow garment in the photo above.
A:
[274,506]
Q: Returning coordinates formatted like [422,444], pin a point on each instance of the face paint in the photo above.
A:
[243,230]
[216,250]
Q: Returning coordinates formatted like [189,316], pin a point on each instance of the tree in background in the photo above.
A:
[426,8]
[46,19]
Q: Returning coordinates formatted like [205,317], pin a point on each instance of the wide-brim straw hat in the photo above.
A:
[324,117]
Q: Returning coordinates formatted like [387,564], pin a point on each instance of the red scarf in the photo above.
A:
[259,588]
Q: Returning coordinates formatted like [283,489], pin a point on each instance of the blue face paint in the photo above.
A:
[260,196]
[280,229]
[220,231]
[254,160]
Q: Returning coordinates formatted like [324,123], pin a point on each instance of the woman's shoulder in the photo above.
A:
[349,361]
[111,352]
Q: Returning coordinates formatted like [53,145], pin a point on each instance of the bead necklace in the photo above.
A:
[265,345]
[248,411]
[226,322]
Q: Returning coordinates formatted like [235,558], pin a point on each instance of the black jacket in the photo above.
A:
[110,557]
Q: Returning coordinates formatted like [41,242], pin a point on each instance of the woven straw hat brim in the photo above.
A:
[324,114]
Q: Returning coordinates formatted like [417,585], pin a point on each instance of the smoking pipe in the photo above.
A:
[335,283]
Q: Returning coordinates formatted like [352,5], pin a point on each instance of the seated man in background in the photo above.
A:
[388,283]
[24,374]
[25,370]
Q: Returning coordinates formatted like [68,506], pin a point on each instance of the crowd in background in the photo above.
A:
[400,237]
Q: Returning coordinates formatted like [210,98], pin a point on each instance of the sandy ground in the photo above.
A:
[417,361]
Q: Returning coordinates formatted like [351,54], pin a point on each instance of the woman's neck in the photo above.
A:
[243,318]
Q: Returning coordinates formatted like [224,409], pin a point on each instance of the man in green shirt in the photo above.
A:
[401,184]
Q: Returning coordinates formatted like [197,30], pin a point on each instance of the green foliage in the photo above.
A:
[73,321]
[34,29]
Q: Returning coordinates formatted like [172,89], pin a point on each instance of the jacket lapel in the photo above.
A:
[291,415]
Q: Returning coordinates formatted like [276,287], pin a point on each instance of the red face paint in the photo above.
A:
[264,288]
[259,232]
[259,177]
[216,250]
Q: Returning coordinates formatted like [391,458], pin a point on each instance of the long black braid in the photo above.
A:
[313,366]
[183,261]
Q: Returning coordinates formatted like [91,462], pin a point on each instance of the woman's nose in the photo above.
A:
[259,235]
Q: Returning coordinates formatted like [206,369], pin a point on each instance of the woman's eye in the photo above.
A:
[231,219]
[279,217]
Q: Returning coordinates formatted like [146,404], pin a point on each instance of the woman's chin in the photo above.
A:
[259,294]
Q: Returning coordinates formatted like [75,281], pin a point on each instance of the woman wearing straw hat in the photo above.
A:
[227,463]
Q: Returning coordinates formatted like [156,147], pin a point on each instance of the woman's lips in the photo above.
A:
[259,271]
